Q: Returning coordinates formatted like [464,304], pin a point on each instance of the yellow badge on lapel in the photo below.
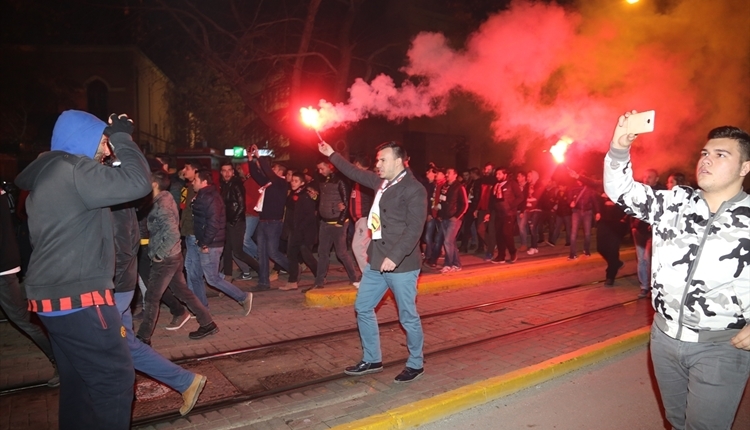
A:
[123,333]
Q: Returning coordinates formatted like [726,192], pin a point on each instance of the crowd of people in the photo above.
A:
[100,229]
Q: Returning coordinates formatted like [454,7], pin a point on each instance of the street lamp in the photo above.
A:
[632,1]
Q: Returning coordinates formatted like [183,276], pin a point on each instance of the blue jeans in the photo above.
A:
[145,359]
[581,217]
[643,256]
[450,231]
[523,227]
[371,290]
[433,240]
[248,244]
[193,270]
[701,383]
[210,265]
[95,366]
[533,221]
[561,221]
[269,234]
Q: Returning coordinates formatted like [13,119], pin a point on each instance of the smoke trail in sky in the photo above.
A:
[546,71]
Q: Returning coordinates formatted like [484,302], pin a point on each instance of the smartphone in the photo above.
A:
[265,152]
[641,122]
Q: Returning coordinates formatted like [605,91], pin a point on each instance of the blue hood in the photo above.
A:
[78,133]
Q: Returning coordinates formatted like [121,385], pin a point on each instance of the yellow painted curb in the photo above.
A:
[460,399]
[345,296]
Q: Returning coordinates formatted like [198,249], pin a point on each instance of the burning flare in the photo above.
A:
[558,150]
[311,118]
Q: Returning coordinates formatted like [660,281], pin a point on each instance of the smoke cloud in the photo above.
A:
[548,72]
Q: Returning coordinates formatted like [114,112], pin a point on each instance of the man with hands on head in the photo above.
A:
[700,286]
[396,220]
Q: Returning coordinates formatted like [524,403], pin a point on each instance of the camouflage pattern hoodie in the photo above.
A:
[700,266]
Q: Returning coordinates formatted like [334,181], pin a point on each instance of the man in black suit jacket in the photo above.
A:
[396,220]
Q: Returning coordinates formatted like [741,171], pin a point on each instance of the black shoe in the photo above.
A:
[204,331]
[609,282]
[513,258]
[364,368]
[259,288]
[497,260]
[146,341]
[409,374]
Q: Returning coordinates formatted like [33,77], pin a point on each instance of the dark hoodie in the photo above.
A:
[70,223]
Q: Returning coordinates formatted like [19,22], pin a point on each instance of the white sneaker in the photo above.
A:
[455,269]
[446,269]
[532,251]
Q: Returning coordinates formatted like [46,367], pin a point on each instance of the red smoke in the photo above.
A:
[547,72]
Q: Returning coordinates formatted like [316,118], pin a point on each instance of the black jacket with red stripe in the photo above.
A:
[70,222]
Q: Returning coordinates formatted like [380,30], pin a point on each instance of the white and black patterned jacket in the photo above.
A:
[701,261]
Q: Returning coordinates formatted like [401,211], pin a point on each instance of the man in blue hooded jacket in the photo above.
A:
[70,283]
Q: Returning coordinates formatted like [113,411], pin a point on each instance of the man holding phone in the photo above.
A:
[700,339]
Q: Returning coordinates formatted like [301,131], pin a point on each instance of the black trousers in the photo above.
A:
[235,236]
[609,236]
[504,228]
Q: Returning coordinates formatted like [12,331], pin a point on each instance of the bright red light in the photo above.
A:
[310,117]
[559,149]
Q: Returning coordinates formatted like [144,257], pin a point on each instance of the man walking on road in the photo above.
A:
[700,288]
[396,220]
[209,219]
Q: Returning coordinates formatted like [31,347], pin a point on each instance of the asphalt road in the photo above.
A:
[616,394]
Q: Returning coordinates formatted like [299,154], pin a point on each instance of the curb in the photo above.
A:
[431,283]
[460,399]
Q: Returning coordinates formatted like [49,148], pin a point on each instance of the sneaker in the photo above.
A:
[203,331]
[446,269]
[523,248]
[498,260]
[572,257]
[245,276]
[609,282]
[356,284]
[247,304]
[273,276]
[190,396]
[643,294]
[288,286]
[259,288]
[409,374]
[364,368]
[456,268]
[548,243]
[587,254]
[513,258]
[178,321]
[55,380]
[487,257]
[532,251]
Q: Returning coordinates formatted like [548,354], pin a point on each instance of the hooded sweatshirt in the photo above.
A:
[70,223]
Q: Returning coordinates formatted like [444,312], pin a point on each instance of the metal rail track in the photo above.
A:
[164,417]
